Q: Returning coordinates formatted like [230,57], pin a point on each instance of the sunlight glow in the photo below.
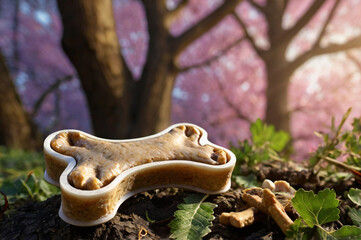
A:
[179,94]
[42,17]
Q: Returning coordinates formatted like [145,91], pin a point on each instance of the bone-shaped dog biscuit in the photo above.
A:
[99,162]
[96,175]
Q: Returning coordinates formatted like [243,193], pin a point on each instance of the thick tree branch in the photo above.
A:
[326,23]
[46,93]
[318,50]
[213,58]
[259,51]
[304,20]
[185,39]
[332,48]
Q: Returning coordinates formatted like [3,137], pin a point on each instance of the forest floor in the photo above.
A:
[147,215]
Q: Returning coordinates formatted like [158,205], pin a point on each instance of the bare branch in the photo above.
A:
[326,23]
[213,58]
[355,61]
[259,51]
[48,91]
[256,6]
[304,137]
[185,39]
[224,119]
[230,104]
[304,20]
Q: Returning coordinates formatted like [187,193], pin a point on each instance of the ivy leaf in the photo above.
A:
[355,215]
[193,218]
[316,209]
[355,196]
[346,232]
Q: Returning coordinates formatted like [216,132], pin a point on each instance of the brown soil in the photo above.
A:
[39,220]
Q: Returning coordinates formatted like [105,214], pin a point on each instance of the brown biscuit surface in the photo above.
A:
[99,162]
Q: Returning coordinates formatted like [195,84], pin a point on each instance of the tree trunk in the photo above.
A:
[90,41]
[278,79]
[278,69]
[119,106]
[159,74]
[16,129]
[154,109]
[277,113]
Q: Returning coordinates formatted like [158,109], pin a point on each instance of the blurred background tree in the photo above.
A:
[16,128]
[137,66]
[121,107]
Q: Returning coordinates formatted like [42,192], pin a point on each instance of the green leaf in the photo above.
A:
[316,209]
[256,130]
[44,187]
[355,215]
[356,124]
[299,231]
[321,234]
[343,120]
[27,188]
[279,141]
[264,135]
[193,218]
[246,181]
[261,133]
[346,232]
[355,196]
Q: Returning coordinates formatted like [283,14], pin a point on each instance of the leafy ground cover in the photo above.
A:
[327,202]
[22,177]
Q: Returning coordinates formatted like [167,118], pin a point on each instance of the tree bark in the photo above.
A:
[90,41]
[277,112]
[119,106]
[160,70]
[16,129]
[277,69]
[159,74]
